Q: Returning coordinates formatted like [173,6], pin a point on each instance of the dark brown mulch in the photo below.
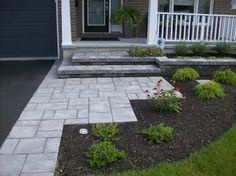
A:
[200,123]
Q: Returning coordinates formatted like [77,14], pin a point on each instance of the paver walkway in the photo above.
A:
[32,146]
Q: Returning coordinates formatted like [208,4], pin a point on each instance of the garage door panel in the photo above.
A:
[28,28]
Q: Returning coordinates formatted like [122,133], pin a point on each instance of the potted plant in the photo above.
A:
[130,17]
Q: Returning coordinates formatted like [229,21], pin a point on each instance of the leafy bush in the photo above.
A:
[181,49]
[199,49]
[224,48]
[137,51]
[104,153]
[159,133]
[105,131]
[155,51]
[165,100]
[209,90]
[185,74]
[226,76]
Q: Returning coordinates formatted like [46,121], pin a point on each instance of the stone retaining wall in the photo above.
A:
[206,67]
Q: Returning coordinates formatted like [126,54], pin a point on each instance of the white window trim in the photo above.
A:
[196,6]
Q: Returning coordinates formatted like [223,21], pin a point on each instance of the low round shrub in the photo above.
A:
[155,51]
[185,74]
[199,49]
[226,76]
[181,49]
[105,131]
[224,48]
[158,134]
[104,153]
[209,90]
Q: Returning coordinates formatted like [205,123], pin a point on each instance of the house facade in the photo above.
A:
[32,28]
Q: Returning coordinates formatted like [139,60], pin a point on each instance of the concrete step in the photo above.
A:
[67,70]
[109,58]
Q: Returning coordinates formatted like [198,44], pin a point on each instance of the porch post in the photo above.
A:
[152,22]
[66,22]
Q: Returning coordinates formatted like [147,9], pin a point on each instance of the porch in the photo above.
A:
[171,26]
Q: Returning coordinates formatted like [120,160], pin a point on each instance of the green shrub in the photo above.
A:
[105,131]
[104,153]
[155,51]
[199,49]
[226,76]
[181,49]
[209,90]
[185,74]
[159,133]
[224,48]
[138,51]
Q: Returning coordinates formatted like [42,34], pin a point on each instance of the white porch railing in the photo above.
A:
[196,27]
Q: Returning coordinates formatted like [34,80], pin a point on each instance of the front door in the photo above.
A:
[96,15]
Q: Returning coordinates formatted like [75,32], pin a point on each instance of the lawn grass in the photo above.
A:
[217,159]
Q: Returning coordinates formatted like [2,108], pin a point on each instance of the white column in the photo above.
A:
[66,22]
[152,22]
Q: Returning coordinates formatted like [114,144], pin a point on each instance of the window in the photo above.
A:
[184,6]
[164,5]
[204,6]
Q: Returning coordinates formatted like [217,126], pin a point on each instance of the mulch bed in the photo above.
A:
[200,123]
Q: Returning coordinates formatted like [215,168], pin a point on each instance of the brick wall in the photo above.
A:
[223,7]
[142,6]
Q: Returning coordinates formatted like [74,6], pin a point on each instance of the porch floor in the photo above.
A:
[124,42]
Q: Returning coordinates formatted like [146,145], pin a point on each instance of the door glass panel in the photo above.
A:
[96,13]
[115,5]
[164,5]
[184,6]
[204,6]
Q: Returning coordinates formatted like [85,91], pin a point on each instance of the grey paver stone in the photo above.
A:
[52,145]
[83,113]
[78,101]
[100,118]
[88,93]
[8,146]
[51,106]
[100,106]
[51,125]
[33,145]
[31,115]
[11,165]
[123,115]
[42,134]
[23,132]
[48,115]
[27,123]
[36,99]
[40,163]
[65,114]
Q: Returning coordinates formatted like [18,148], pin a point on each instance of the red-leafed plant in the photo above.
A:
[165,100]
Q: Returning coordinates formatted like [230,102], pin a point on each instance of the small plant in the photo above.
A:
[104,153]
[137,51]
[181,49]
[226,76]
[105,132]
[185,74]
[158,134]
[209,90]
[199,49]
[165,100]
[223,48]
[155,51]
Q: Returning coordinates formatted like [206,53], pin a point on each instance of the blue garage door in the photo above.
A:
[28,28]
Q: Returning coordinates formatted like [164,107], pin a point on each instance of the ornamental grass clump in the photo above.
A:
[226,76]
[158,134]
[137,51]
[165,100]
[185,74]
[224,48]
[104,153]
[105,132]
[181,49]
[199,49]
[209,90]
